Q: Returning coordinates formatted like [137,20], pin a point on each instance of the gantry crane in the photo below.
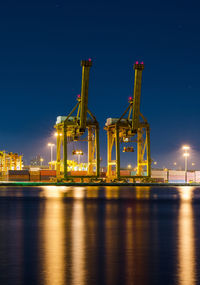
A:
[10,161]
[130,127]
[72,127]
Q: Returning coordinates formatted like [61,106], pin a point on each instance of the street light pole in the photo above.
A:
[41,161]
[186,155]
[51,145]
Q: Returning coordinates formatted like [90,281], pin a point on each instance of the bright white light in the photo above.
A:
[57,134]
[186,154]
[185,147]
[51,144]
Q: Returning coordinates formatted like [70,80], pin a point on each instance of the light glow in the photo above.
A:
[186,147]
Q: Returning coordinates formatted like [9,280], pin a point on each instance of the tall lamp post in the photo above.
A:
[41,161]
[51,145]
[186,155]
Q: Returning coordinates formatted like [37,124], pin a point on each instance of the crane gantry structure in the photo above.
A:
[10,161]
[132,126]
[72,128]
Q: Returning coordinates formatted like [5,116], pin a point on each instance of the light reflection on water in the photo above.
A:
[99,235]
[186,238]
[78,243]
[53,241]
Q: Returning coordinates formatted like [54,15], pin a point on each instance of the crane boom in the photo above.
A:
[86,64]
[137,94]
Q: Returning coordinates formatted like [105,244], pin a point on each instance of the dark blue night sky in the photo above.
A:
[42,43]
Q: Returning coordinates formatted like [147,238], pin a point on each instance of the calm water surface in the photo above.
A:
[99,235]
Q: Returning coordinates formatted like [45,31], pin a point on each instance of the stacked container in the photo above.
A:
[34,175]
[176,176]
[18,175]
[46,175]
[125,172]
[197,176]
[160,175]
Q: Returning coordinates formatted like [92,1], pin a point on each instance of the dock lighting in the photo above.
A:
[193,163]
[129,166]
[155,163]
[57,134]
[185,147]
[51,145]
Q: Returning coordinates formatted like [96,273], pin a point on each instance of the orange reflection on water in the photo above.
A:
[111,244]
[130,245]
[187,262]
[78,242]
[142,192]
[54,251]
[112,192]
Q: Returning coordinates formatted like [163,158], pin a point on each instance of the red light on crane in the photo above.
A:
[142,62]
[136,62]
[89,59]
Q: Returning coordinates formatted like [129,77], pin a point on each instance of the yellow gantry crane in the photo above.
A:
[72,127]
[130,127]
[10,161]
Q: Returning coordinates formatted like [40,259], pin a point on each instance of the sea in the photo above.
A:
[56,235]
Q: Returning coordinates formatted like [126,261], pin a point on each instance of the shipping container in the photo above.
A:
[190,176]
[125,172]
[177,181]
[197,176]
[18,178]
[18,172]
[48,172]
[46,178]
[79,173]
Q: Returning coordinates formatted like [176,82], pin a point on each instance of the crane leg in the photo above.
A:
[90,147]
[97,151]
[148,151]
[139,152]
[58,156]
[117,152]
[65,151]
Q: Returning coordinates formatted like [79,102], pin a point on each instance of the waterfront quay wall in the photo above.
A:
[158,175]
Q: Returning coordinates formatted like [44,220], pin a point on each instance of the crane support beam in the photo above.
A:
[86,64]
[136,95]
